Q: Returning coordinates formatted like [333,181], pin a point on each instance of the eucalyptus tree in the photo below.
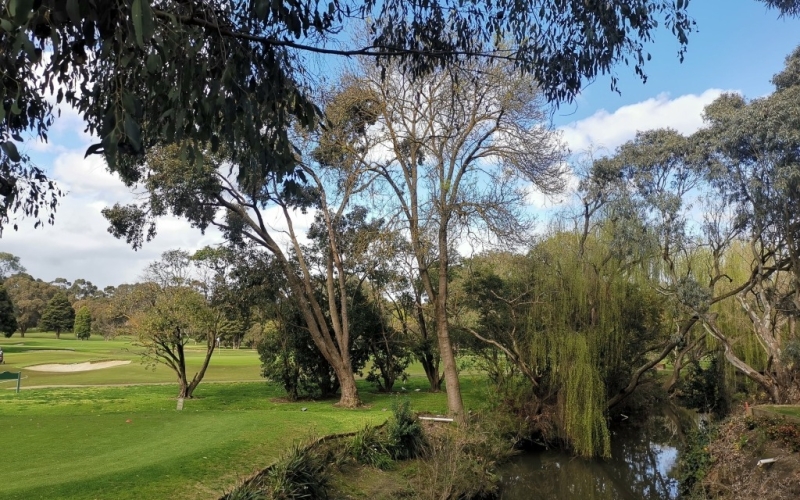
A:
[234,73]
[653,190]
[211,194]
[746,163]
[9,265]
[30,297]
[754,146]
[455,154]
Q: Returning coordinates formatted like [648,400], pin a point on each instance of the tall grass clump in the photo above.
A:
[405,436]
[299,474]
[369,447]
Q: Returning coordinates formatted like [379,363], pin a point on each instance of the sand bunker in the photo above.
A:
[76,367]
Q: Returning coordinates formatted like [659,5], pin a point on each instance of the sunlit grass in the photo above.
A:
[130,442]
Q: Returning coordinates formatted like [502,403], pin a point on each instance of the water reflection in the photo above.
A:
[642,465]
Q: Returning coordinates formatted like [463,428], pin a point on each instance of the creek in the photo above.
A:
[643,465]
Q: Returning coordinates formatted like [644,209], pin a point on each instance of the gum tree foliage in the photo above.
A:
[215,193]
[30,297]
[8,319]
[58,315]
[9,264]
[746,161]
[233,73]
[754,147]
[83,324]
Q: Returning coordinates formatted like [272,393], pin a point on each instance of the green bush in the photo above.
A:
[695,462]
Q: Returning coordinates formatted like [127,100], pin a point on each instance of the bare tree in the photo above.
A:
[457,151]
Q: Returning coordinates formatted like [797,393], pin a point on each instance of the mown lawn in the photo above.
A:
[788,410]
[43,348]
[131,443]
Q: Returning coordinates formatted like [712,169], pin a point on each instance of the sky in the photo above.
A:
[738,46]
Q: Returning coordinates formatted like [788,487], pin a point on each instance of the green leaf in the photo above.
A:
[74,11]
[133,133]
[11,150]
[20,9]
[154,63]
[142,17]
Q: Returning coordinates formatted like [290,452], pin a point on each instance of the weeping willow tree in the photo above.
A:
[575,319]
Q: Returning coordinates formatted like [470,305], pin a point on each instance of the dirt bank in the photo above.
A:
[741,442]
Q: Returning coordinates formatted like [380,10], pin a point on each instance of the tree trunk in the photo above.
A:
[58,335]
[349,392]
[765,382]
[426,355]
[431,371]
[670,383]
[198,377]
[454,403]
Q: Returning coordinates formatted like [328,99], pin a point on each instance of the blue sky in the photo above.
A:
[738,46]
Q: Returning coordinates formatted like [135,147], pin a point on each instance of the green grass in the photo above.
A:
[43,348]
[788,410]
[130,442]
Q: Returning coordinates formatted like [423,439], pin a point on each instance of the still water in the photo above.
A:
[643,465]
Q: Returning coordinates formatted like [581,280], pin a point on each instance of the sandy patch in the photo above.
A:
[76,367]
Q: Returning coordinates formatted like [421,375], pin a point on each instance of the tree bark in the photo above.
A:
[634,382]
[452,385]
[198,377]
[765,382]
[347,385]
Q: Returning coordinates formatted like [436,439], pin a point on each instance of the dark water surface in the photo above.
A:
[643,464]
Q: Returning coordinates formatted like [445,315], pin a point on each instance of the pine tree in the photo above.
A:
[8,320]
[83,323]
[58,316]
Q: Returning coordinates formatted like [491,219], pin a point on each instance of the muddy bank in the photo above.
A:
[733,453]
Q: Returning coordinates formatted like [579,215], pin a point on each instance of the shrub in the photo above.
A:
[461,463]
[695,462]
[405,435]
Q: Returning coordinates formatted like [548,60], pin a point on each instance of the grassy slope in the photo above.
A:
[129,442]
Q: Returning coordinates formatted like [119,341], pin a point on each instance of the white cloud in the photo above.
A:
[540,201]
[609,130]
[88,177]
